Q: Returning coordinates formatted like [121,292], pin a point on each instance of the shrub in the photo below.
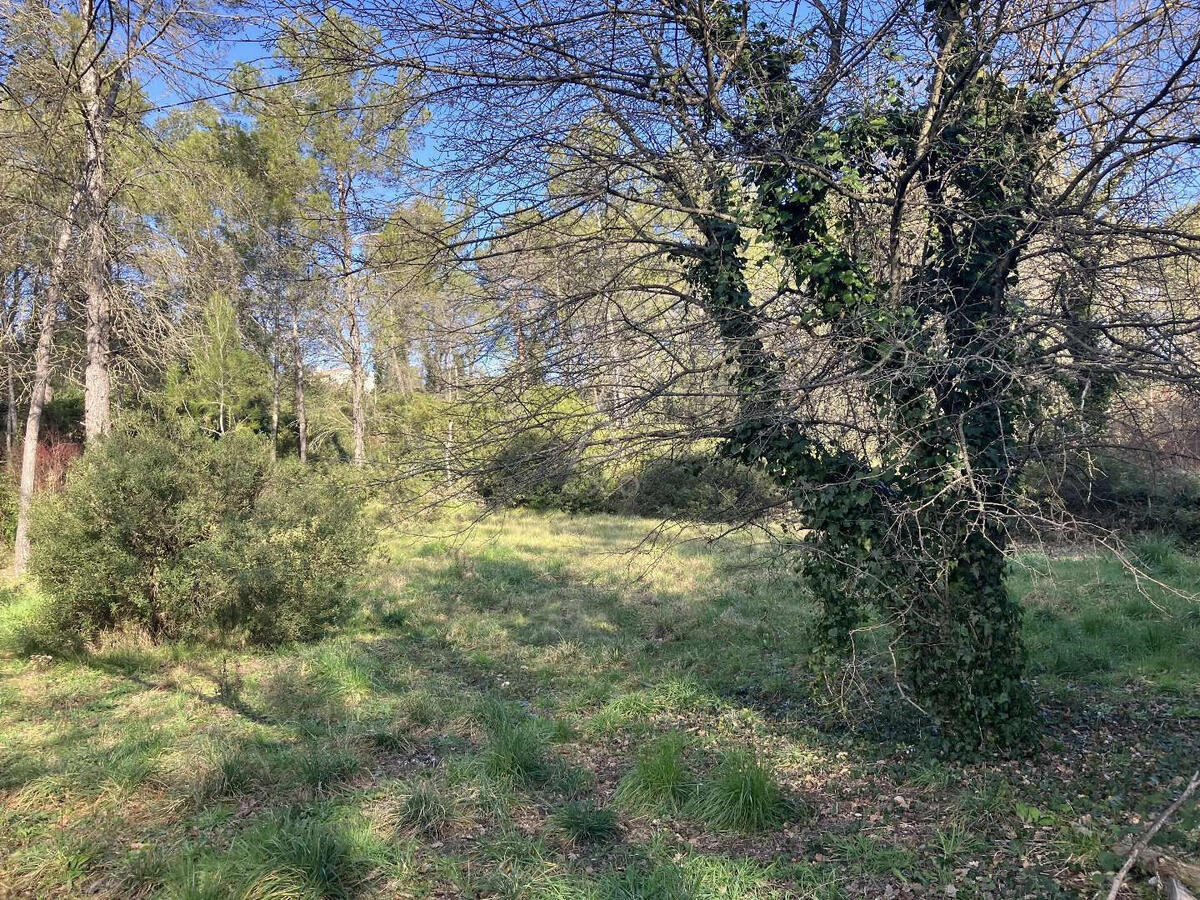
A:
[185,536]
[702,486]
[293,556]
[8,509]
[542,470]
[1122,495]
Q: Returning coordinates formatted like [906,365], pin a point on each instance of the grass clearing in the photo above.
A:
[526,709]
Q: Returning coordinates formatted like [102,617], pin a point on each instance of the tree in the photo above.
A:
[353,128]
[881,220]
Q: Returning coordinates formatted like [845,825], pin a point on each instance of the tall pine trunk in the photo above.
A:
[38,395]
[354,331]
[97,392]
[274,403]
[298,368]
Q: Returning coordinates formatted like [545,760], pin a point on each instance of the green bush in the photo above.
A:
[184,536]
[8,509]
[702,486]
[542,470]
[1122,495]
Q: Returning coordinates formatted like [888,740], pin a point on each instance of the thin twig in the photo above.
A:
[1149,835]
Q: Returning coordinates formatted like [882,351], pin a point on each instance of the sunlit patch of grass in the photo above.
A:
[659,881]
[419,754]
[669,697]
[740,795]
[727,877]
[191,881]
[1090,619]
[298,851]
[347,672]
[864,855]
[518,750]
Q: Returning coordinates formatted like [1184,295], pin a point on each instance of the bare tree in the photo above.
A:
[862,242]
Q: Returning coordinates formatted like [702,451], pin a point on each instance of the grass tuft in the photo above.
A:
[427,808]
[311,852]
[1157,552]
[321,767]
[584,823]
[740,795]
[660,780]
[517,750]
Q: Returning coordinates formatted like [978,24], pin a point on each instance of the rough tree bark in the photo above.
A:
[38,394]
[298,369]
[97,392]
[274,404]
[353,331]
[10,412]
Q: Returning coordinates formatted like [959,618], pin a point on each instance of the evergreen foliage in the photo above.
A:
[185,536]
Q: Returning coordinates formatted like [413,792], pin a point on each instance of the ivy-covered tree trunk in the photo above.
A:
[914,526]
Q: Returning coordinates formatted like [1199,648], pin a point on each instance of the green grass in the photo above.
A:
[518,750]
[509,685]
[584,823]
[740,795]
[660,780]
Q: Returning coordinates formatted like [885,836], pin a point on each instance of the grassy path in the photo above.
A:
[528,710]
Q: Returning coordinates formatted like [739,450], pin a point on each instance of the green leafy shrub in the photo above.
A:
[184,536]
[8,509]
[542,470]
[702,486]
[1122,495]
[556,463]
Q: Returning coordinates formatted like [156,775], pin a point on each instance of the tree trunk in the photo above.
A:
[354,332]
[10,412]
[357,389]
[10,415]
[274,403]
[97,391]
[41,383]
[301,418]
